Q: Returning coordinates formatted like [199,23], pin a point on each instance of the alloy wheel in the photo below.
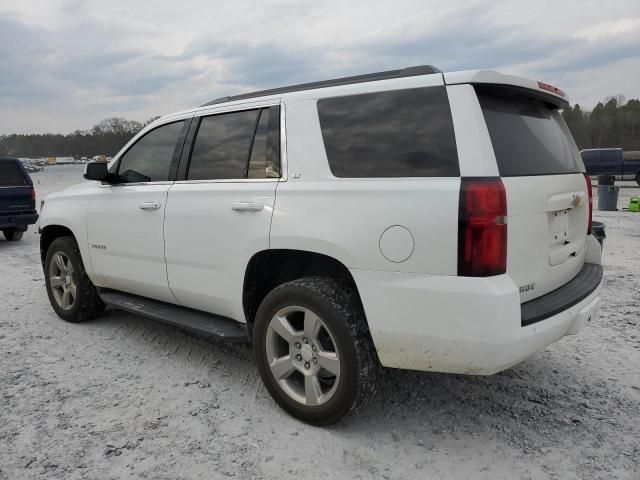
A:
[62,280]
[303,356]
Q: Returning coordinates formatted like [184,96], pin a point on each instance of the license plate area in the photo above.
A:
[559,231]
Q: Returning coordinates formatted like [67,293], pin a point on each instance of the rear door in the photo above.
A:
[15,189]
[219,215]
[547,200]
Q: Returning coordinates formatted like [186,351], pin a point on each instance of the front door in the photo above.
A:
[219,216]
[126,218]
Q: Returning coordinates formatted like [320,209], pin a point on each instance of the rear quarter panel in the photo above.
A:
[344,217]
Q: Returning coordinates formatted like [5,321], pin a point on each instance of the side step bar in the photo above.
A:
[196,321]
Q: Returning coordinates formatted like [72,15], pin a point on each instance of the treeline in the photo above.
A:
[105,138]
[612,123]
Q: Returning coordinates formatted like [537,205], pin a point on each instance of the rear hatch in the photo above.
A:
[547,199]
[16,190]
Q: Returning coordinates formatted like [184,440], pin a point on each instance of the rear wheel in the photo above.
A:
[71,293]
[314,351]
[12,235]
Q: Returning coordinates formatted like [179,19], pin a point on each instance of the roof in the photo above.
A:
[368,77]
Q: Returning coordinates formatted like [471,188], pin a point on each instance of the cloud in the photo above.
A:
[68,64]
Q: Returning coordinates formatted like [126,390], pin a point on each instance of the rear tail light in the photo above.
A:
[590,194]
[482,227]
[33,193]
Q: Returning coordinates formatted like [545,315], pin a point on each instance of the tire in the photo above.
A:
[86,304]
[344,328]
[638,178]
[12,235]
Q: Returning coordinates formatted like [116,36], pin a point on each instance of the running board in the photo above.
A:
[196,321]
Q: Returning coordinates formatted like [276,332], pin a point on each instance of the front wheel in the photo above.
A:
[71,293]
[314,351]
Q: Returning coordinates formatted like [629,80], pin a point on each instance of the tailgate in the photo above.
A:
[547,198]
[547,228]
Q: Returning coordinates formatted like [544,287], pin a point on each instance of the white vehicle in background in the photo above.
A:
[410,219]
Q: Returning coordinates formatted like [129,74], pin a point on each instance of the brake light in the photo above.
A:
[590,194]
[550,88]
[33,193]
[482,227]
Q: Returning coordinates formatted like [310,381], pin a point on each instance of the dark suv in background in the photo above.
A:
[17,199]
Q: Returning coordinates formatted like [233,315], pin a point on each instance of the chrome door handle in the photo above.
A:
[149,206]
[247,207]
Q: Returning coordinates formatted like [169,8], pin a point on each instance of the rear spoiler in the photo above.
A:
[548,92]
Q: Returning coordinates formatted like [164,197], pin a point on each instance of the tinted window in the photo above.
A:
[265,154]
[529,137]
[590,156]
[609,156]
[151,158]
[258,160]
[11,175]
[403,133]
[222,144]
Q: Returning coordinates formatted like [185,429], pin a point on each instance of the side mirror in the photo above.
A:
[96,171]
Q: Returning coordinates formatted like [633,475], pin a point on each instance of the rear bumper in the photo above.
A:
[17,220]
[573,292]
[459,324]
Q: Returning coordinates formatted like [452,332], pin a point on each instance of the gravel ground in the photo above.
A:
[123,396]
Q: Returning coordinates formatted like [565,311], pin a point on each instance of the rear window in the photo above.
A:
[401,133]
[529,137]
[11,175]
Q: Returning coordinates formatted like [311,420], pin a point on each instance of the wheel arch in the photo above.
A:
[268,269]
[49,233]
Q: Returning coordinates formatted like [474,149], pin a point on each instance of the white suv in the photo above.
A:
[410,219]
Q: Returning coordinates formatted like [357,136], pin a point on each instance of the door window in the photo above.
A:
[237,145]
[152,157]
[610,156]
[265,153]
[591,156]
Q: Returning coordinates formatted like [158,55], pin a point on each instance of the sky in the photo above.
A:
[67,64]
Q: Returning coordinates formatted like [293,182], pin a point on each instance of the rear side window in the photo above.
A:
[400,133]
[11,175]
[529,137]
[236,145]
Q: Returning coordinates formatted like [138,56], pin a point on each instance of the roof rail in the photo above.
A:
[368,77]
